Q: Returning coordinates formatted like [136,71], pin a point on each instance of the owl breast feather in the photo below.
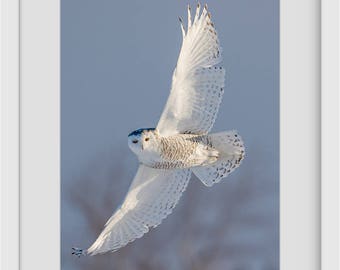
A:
[185,151]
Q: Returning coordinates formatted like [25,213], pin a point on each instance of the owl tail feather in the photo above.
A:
[231,150]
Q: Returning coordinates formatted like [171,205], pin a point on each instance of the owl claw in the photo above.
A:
[78,252]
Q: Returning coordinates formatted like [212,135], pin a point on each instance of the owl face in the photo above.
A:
[142,140]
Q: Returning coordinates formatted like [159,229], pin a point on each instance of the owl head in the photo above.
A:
[142,139]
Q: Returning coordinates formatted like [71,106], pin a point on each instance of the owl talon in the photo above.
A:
[78,252]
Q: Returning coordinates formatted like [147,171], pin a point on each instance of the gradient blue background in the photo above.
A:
[117,59]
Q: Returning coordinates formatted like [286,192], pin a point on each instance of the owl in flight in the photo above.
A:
[180,144]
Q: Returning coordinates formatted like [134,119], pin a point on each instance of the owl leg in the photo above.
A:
[205,156]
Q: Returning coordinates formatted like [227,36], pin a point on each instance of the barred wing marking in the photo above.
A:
[151,197]
[197,84]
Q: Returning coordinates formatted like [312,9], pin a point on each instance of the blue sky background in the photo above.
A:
[117,59]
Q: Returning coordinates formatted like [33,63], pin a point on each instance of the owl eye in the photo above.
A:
[146,139]
[135,141]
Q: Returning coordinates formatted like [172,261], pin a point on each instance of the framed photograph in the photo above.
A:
[134,140]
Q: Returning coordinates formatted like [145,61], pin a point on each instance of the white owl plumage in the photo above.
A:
[197,86]
[191,109]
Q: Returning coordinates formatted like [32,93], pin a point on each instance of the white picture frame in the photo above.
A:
[30,53]
[330,74]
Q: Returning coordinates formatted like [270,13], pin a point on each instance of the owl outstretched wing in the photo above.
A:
[151,197]
[197,82]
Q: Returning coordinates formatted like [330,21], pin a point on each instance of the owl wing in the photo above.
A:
[151,197]
[197,83]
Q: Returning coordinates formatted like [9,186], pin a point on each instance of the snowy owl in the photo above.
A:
[180,143]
